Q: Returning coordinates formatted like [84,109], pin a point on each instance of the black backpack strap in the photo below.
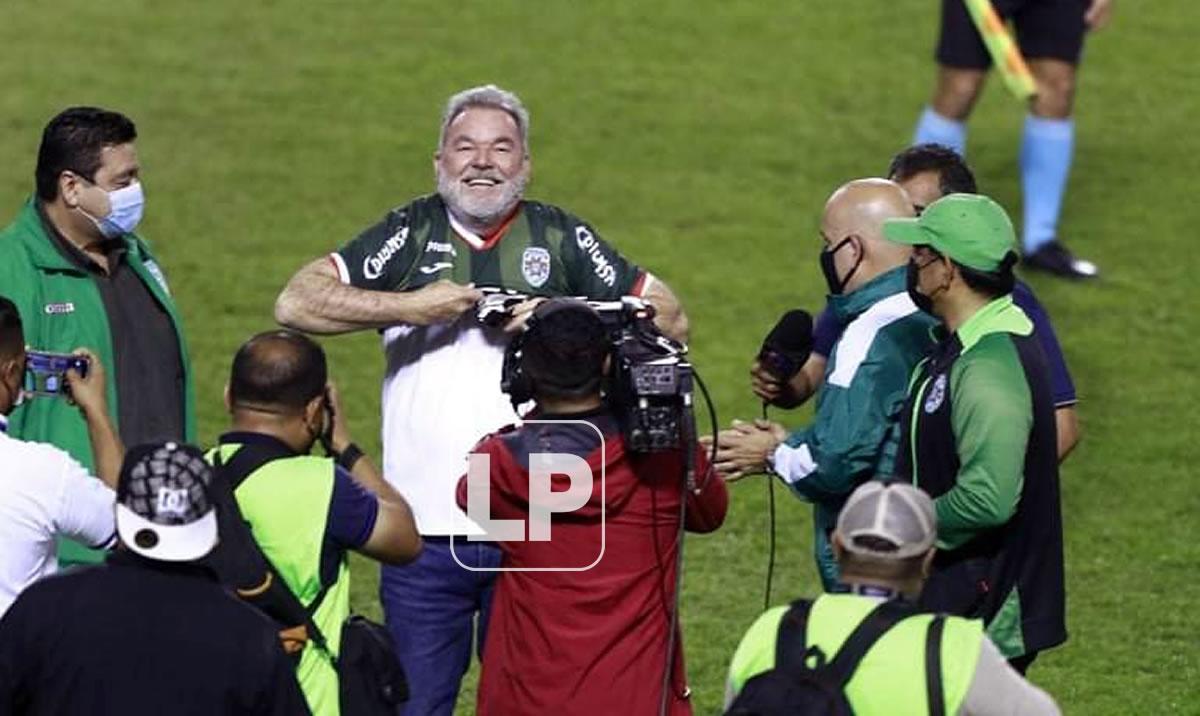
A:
[790,643]
[934,692]
[247,460]
[864,636]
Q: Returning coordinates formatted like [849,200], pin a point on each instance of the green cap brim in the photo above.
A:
[905,231]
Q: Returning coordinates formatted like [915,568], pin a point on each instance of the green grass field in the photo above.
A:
[702,138]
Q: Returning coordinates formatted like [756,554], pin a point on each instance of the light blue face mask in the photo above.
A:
[125,211]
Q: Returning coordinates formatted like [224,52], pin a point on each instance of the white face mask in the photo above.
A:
[125,211]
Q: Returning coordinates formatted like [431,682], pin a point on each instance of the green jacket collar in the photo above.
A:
[42,251]
[999,316]
[847,306]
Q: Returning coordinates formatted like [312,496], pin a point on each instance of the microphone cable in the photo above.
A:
[673,621]
[771,533]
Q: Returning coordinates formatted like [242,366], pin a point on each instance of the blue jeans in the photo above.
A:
[430,606]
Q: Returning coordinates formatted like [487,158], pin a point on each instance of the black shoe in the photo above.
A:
[1054,258]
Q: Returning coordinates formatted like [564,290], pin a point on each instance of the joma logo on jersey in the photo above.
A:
[600,263]
[373,265]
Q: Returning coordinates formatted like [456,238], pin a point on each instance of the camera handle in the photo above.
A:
[687,428]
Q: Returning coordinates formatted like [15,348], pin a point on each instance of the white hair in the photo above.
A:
[487,96]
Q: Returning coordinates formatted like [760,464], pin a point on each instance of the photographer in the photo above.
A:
[307,512]
[44,492]
[593,640]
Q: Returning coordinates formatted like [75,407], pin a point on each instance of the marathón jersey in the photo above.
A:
[441,391]
[545,251]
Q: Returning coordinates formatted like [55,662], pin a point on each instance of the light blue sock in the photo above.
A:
[1046,149]
[933,127]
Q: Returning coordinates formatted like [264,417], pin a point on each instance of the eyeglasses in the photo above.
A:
[934,258]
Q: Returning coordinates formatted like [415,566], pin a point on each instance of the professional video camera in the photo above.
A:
[650,387]
[651,383]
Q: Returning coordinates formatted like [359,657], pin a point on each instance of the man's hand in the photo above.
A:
[339,437]
[770,389]
[89,393]
[743,449]
[520,315]
[1098,14]
[444,301]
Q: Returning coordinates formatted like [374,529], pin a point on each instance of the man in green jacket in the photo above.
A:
[979,431]
[853,435]
[80,277]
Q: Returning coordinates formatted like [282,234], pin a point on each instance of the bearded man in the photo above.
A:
[414,276]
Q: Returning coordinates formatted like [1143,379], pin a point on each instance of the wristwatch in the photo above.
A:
[348,457]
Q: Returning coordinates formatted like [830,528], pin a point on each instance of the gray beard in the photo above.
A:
[480,213]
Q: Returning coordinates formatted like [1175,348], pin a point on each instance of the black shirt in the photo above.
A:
[134,636]
[148,366]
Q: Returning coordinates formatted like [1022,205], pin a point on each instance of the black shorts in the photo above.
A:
[1046,29]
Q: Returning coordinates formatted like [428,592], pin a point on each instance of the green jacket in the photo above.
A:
[61,310]
[980,439]
[854,436]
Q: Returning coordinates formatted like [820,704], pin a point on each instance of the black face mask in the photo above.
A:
[912,280]
[836,285]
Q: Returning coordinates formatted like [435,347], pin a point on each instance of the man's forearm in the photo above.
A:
[981,499]
[1067,423]
[107,450]
[668,312]
[315,301]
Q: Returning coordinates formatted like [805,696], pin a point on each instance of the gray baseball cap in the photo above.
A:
[892,520]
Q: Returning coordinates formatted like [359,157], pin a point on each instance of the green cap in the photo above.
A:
[971,229]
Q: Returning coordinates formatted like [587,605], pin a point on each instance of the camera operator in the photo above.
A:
[594,640]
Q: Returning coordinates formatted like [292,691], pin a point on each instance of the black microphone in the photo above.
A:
[787,345]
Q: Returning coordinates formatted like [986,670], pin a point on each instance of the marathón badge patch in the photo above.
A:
[535,266]
[937,394]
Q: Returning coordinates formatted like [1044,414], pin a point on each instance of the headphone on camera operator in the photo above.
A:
[562,356]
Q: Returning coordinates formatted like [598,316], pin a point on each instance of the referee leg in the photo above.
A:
[1050,34]
[963,62]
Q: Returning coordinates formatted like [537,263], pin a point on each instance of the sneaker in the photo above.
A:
[1054,258]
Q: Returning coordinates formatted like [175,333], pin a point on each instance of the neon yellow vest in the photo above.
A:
[890,679]
[286,503]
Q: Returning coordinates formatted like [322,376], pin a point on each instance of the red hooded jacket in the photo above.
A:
[592,641]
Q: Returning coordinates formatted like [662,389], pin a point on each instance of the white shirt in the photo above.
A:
[441,396]
[44,492]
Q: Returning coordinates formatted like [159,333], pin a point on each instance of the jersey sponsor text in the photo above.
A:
[600,263]
[373,265]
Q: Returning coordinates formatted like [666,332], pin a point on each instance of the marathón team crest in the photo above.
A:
[936,394]
[535,266]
